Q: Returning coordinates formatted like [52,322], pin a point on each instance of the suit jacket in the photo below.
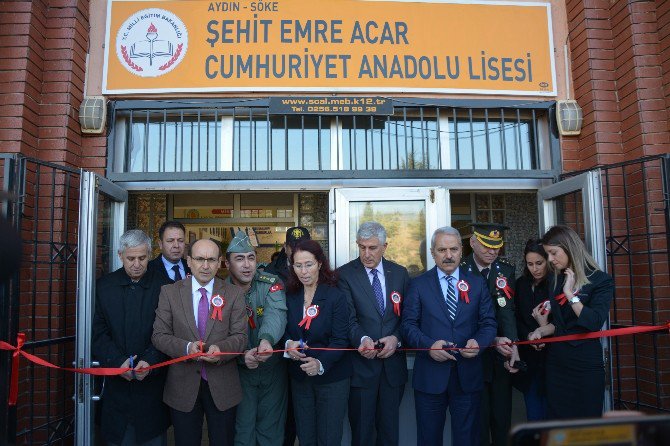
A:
[596,297]
[158,265]
[365,320]
[425,319]
[175,326]
[122,326]
[328,329]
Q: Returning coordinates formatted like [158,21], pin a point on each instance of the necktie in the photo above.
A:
[379,294]
[177,274]
[203,309]
[485,273]
[451,298]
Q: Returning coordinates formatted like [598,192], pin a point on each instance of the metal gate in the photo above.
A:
[40,299]
[636,214]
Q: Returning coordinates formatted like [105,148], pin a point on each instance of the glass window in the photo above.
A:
[158,142]
[496,141]
[378,143]
[405,224]
[281,143]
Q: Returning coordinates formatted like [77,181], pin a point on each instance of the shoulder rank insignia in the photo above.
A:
[276,287]
[267,279]
[259,311]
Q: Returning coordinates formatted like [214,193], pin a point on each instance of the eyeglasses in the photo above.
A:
[308,265]
[201,260]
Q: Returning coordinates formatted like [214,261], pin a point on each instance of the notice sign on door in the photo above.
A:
[329,46]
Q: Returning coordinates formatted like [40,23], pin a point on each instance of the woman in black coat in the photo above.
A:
[318,316]
[532,289]
[580,303]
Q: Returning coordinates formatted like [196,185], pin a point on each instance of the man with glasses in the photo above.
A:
[262,413]
[203,314]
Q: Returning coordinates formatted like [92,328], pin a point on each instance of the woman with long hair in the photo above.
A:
[318,317]
[532,289]
[580,301]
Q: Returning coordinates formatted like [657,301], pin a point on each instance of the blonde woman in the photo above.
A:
[580,303]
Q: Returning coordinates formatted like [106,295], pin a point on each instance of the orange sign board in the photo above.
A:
[483,47]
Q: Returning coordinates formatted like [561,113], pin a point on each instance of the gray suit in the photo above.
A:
[377,385]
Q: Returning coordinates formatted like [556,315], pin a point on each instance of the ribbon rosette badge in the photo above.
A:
[311,313]
[218,302]
[501,284]
[396,298]
[250,315]
[463,287]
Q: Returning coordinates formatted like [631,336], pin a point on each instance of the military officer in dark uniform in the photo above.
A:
[262,413]
[279,267]
[486,241]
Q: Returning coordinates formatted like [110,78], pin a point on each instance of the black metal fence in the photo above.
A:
[636,201]
[40,299]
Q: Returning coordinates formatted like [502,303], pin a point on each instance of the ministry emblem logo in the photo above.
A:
[151,42]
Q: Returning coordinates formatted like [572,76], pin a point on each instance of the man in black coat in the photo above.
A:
[375,288]
[496,413]
[132,403]
[170,264]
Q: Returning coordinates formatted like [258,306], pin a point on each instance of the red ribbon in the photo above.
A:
[396,298]
[307,320]
[113,371]
[463,289]
[509,292]
[14,380]
[216,313]
[561,299]
[218,302]
[250,315]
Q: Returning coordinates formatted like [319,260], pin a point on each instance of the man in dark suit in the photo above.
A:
[202,314]
[375,287]
[496,418]
[125,306]
[170,264]
[448,307]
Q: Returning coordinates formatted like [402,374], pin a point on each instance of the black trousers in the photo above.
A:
[188,425]
[496,407]
[375,405]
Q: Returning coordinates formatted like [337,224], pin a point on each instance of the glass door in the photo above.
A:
[578,202]
[102,217]
[409,214]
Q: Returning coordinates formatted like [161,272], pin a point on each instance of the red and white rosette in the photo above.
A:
[396,298]
[463,288]
[501,284]
[250,315]
[310,313]
[217,305]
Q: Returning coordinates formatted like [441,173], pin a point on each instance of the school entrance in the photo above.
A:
[70,220]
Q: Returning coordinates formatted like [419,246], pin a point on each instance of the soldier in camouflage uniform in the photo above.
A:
[496,406]
[262,413]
